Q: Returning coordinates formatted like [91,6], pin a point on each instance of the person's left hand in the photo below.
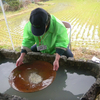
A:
[55,65]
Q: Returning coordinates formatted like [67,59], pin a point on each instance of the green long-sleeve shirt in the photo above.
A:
[55,37]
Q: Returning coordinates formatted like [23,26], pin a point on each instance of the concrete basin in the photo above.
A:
[75,80]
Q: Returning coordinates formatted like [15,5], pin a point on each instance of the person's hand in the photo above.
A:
[56,62]
[55,65]
[20,60]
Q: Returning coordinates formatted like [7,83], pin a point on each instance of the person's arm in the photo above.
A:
[61,44]
[56,62]
[59,52]
[28,41]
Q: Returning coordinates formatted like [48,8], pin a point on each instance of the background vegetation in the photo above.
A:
[14,5]
[83,15]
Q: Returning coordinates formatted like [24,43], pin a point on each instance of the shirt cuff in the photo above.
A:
[60,51]
[23,51]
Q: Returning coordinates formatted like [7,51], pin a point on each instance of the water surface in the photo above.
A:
[68,85]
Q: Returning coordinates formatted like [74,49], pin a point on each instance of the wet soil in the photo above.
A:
[9,97]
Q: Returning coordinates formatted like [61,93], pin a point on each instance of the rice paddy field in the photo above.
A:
[83,15]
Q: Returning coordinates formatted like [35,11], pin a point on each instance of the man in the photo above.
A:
[46,34]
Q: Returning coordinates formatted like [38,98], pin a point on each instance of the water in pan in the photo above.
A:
[66,86]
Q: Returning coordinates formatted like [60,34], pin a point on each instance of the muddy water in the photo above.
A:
[68,85]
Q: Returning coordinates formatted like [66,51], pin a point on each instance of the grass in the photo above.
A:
[83,15]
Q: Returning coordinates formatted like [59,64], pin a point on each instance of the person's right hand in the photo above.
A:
[19,61]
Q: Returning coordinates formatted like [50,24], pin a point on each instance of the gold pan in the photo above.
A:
[19,77]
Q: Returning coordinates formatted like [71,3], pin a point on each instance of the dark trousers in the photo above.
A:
[67,53]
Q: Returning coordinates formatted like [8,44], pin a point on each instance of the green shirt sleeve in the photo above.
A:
[28,37]
[62,39]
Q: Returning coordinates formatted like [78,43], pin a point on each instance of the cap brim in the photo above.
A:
[38,31]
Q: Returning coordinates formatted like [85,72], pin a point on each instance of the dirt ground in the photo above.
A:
[85,54]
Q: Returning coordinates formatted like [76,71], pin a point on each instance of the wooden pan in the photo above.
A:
[19,77]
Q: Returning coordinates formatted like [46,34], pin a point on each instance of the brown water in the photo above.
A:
[68,85]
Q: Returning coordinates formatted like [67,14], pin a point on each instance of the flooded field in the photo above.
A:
[83,15]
